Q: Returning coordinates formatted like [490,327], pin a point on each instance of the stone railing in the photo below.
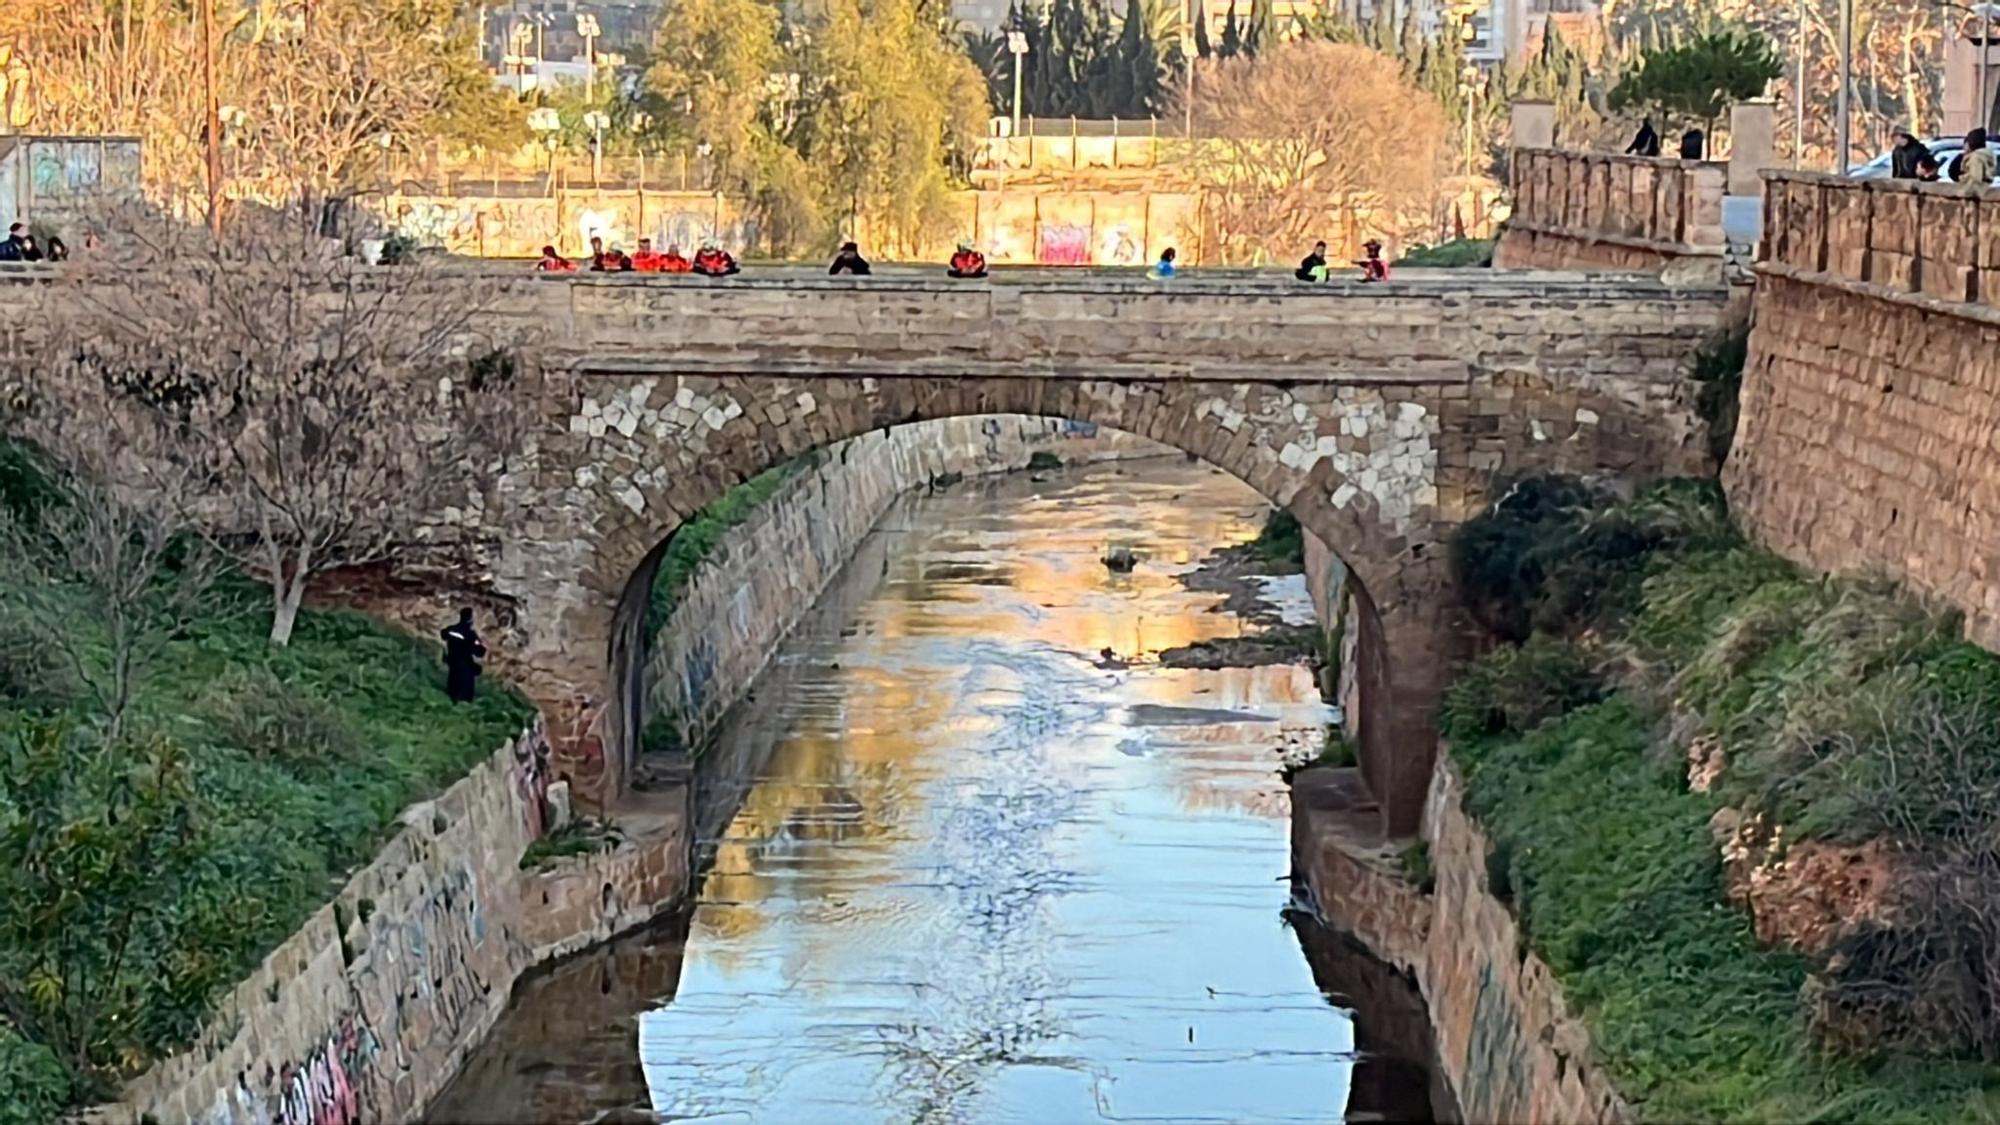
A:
[1868,404]
[1901,236]
[1597,209]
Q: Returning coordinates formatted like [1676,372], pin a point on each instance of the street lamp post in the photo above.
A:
[587,26]
[596,121]
[1843,135]
[1017,45]
[545,123]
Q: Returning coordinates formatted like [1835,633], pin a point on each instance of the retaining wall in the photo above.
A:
[1510,1048]
[769,571]
[1599,210]
[368,1010]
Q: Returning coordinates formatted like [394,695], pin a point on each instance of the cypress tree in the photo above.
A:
[1202,49]
[1263,27]
[1139,62]
[1232,35]
[1413,35]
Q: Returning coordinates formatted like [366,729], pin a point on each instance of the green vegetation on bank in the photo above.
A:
[1839,711]
[1282,542]
[149,861]
[696,538]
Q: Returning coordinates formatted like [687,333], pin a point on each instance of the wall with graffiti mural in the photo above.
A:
[768,572]
[54,183]
[1020,227]
[365,1013]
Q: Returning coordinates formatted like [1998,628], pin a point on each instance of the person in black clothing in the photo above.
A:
[1693,145]
[1647,142]
[1907,156]
[14,248]
[58,250]
[849,260]
[463,652]
[1314,266]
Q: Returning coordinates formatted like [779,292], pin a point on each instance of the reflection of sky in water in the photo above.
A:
[982,878]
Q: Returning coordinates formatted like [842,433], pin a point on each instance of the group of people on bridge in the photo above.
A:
[966,263]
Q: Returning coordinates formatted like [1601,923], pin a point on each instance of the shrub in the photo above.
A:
[1282,542]
[1517,688]
[1043,459]
[256,711]
[1718,368]
[1416,861]
[34,1088]
[1458,253]
[696,538]
[580,837]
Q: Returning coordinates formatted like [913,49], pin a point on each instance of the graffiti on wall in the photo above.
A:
[1064,244]
[531,784]
[323,1088]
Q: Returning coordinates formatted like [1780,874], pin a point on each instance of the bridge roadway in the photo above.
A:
[1381,415]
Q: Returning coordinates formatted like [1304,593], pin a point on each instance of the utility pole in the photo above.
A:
[1799,93]
[588,27]
[1017,44]
[1843,136]
[212,115]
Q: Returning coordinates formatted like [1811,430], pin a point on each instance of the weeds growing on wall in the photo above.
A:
[143,874]
[1717,369]
[696,538]
[1842,711]
[1282,542]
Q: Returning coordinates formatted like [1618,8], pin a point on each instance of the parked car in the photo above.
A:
[1945,149]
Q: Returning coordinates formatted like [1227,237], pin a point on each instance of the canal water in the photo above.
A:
[973,854]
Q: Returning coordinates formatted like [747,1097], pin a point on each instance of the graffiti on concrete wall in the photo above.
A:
[323,1088]
[1064,244]
[531,784]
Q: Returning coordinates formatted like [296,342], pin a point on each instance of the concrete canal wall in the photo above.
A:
[1509,1046]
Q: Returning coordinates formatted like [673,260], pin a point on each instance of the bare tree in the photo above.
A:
[1304,133]
[324,411]
[138,571]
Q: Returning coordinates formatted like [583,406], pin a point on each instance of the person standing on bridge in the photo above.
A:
[1165,268]
[463,654]
[1646,142]
[553,262]
[1373,268]
[849,260]
[1908,156]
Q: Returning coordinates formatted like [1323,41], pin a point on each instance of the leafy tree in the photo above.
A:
[1700,78]
[1202,47]
[85,831]
[711,88]
[1281,165]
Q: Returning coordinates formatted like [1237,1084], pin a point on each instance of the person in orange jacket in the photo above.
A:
[673,261]
[967,263]
[647,260]
[713,261]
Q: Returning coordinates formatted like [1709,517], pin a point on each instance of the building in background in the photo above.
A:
[55,183]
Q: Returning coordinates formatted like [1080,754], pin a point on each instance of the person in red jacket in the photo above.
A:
[673,261]
[647,260]
[967,263]
[553,262]
[713,261]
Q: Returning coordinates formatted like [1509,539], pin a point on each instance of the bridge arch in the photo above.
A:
[1356,466]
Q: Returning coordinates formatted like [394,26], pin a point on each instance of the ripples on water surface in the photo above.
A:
[980,872]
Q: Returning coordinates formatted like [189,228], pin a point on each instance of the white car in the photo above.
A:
[1945,149]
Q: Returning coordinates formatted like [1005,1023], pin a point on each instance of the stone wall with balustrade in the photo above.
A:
[1596,209]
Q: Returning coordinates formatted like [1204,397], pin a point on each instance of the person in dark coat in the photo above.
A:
[1694,145]
[463,654]
[1907,156]
[1314,266]
[1647,142]
[849,260]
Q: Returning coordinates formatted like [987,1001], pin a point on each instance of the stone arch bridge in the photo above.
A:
[1381,415]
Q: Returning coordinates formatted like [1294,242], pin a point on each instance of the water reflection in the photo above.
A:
[977,873]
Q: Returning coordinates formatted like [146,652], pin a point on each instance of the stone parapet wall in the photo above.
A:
[1604,211]
[1898,237]
[768,572]
[367,1011]
[1870,437]
[1510,1047]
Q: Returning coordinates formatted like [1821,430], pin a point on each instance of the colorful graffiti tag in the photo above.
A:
[531,784]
